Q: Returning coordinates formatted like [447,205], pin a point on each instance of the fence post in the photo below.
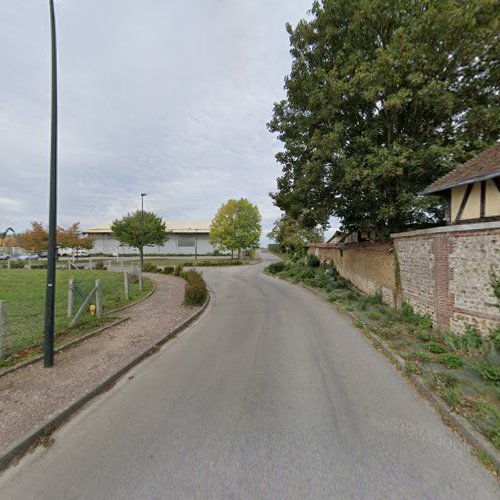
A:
[2,327]
[91,264]
[125,282]
[109,265]
[98,299]
[69,265]
[8,263]
[121,266]
[71,297]
[139,272]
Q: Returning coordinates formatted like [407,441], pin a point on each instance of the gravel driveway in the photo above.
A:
[30,396]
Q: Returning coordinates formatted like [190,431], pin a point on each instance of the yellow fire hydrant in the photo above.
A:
[92,309]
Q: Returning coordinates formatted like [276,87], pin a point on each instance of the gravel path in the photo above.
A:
[30,396]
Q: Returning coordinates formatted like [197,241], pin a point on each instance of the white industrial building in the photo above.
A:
[187,237]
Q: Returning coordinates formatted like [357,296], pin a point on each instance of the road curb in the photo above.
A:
[456,422]
[39,436]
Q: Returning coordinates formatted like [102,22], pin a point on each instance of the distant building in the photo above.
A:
[472,190]
[186,237]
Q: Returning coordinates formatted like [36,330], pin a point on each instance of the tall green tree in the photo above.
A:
[128,231]
[291,237]
[236,226]
[384,96]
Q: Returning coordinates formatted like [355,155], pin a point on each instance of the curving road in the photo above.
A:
[271,394]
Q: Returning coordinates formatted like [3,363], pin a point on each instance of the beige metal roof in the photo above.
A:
[175,226]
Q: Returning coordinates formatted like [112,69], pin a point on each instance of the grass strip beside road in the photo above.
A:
[23,291]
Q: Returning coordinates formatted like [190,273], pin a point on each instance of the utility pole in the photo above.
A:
[48,347]
[142,230]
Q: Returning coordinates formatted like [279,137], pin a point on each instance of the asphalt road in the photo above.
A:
[271,394]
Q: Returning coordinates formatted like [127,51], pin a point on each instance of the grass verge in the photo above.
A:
[23,291]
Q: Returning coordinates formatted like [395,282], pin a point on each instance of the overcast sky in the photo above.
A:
[159,96]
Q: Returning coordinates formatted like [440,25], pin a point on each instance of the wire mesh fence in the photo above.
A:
[22,304]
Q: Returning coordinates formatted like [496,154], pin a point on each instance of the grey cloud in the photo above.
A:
[169,98]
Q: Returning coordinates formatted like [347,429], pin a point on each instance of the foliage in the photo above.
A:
[37,238]
[236,226]
[383,98]
[435,348]
[149,267]
[495,338]
[469,341]
[72,237]
[489,372]
[168,270]
[276,267]
[128,230]
[178,270]
[34,240]
[196,289]
[291,236]
[312,261]
[451,360]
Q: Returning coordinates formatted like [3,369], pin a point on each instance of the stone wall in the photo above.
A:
[445,272]
[369,267]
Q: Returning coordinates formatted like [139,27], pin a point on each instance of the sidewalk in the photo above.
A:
[32,395]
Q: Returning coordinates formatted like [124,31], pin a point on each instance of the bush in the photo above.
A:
[469,341]
[188,263]
[489,372]
[148,267]
[99,265]
[178,270]
[451,360]
[435,348]
[423,357]
[17,264]
[312,261]
[495,338]
[196,289]
[276,267]
[168,270]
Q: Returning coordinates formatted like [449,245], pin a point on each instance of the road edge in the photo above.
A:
[457,423]
[40,435]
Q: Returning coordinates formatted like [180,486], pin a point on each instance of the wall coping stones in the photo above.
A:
[449,229]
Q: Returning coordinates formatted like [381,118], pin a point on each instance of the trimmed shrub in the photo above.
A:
[276,267]
[188,264]
[196,288]
[150,268]
[178,270]
[17,264]
[168,270]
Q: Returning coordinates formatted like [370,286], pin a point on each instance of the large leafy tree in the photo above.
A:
[236,226]
[384,96]
[129,230]
[291,236]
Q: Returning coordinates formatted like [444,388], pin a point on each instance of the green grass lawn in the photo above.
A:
[23,291]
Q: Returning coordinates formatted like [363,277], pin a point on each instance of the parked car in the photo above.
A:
[43,255]
[4,256]
[79,252]
[28,256]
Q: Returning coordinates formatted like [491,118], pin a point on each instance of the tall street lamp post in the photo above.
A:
[142,230]
[48,349]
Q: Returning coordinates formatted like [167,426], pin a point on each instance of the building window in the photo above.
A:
[185,240]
